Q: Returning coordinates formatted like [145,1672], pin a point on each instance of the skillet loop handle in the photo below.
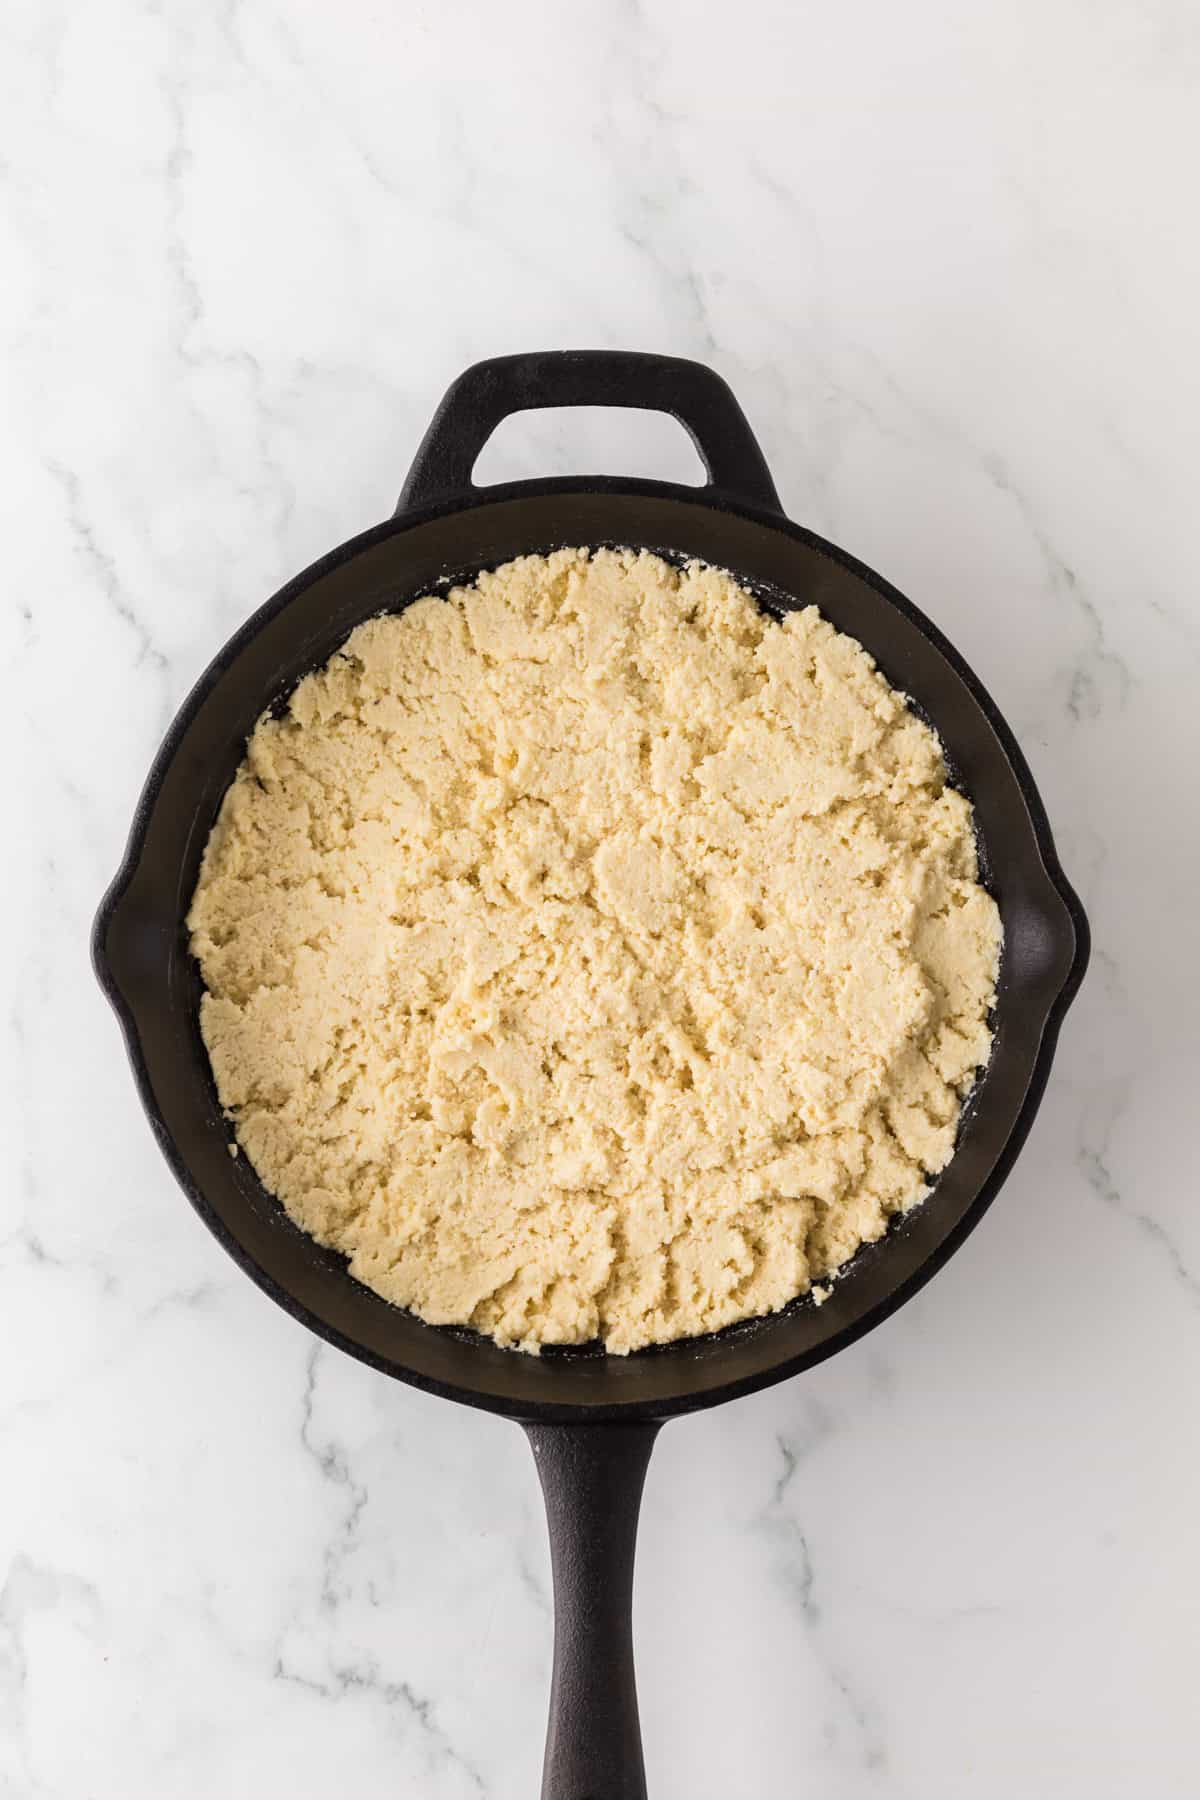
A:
[489,391]
[592,1477]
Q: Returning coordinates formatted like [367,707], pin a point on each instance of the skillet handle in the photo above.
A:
[489,391]
[592,1478]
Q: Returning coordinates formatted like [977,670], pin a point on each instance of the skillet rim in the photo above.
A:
[1070,930]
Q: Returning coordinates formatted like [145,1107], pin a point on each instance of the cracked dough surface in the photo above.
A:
[589,955]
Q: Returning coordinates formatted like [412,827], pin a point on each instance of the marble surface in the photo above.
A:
[946,257]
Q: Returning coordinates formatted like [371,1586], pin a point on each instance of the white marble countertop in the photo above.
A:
[947,258]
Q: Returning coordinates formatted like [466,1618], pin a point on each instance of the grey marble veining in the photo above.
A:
[944,257]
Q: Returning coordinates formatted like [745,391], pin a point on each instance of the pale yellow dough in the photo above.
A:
[589,955]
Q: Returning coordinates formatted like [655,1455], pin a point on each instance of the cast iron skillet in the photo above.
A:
[591,1419]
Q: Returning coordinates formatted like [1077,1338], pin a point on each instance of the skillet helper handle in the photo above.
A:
[489,391]
[592,1477]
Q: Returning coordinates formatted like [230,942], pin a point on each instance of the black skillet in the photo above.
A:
[591,1419]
